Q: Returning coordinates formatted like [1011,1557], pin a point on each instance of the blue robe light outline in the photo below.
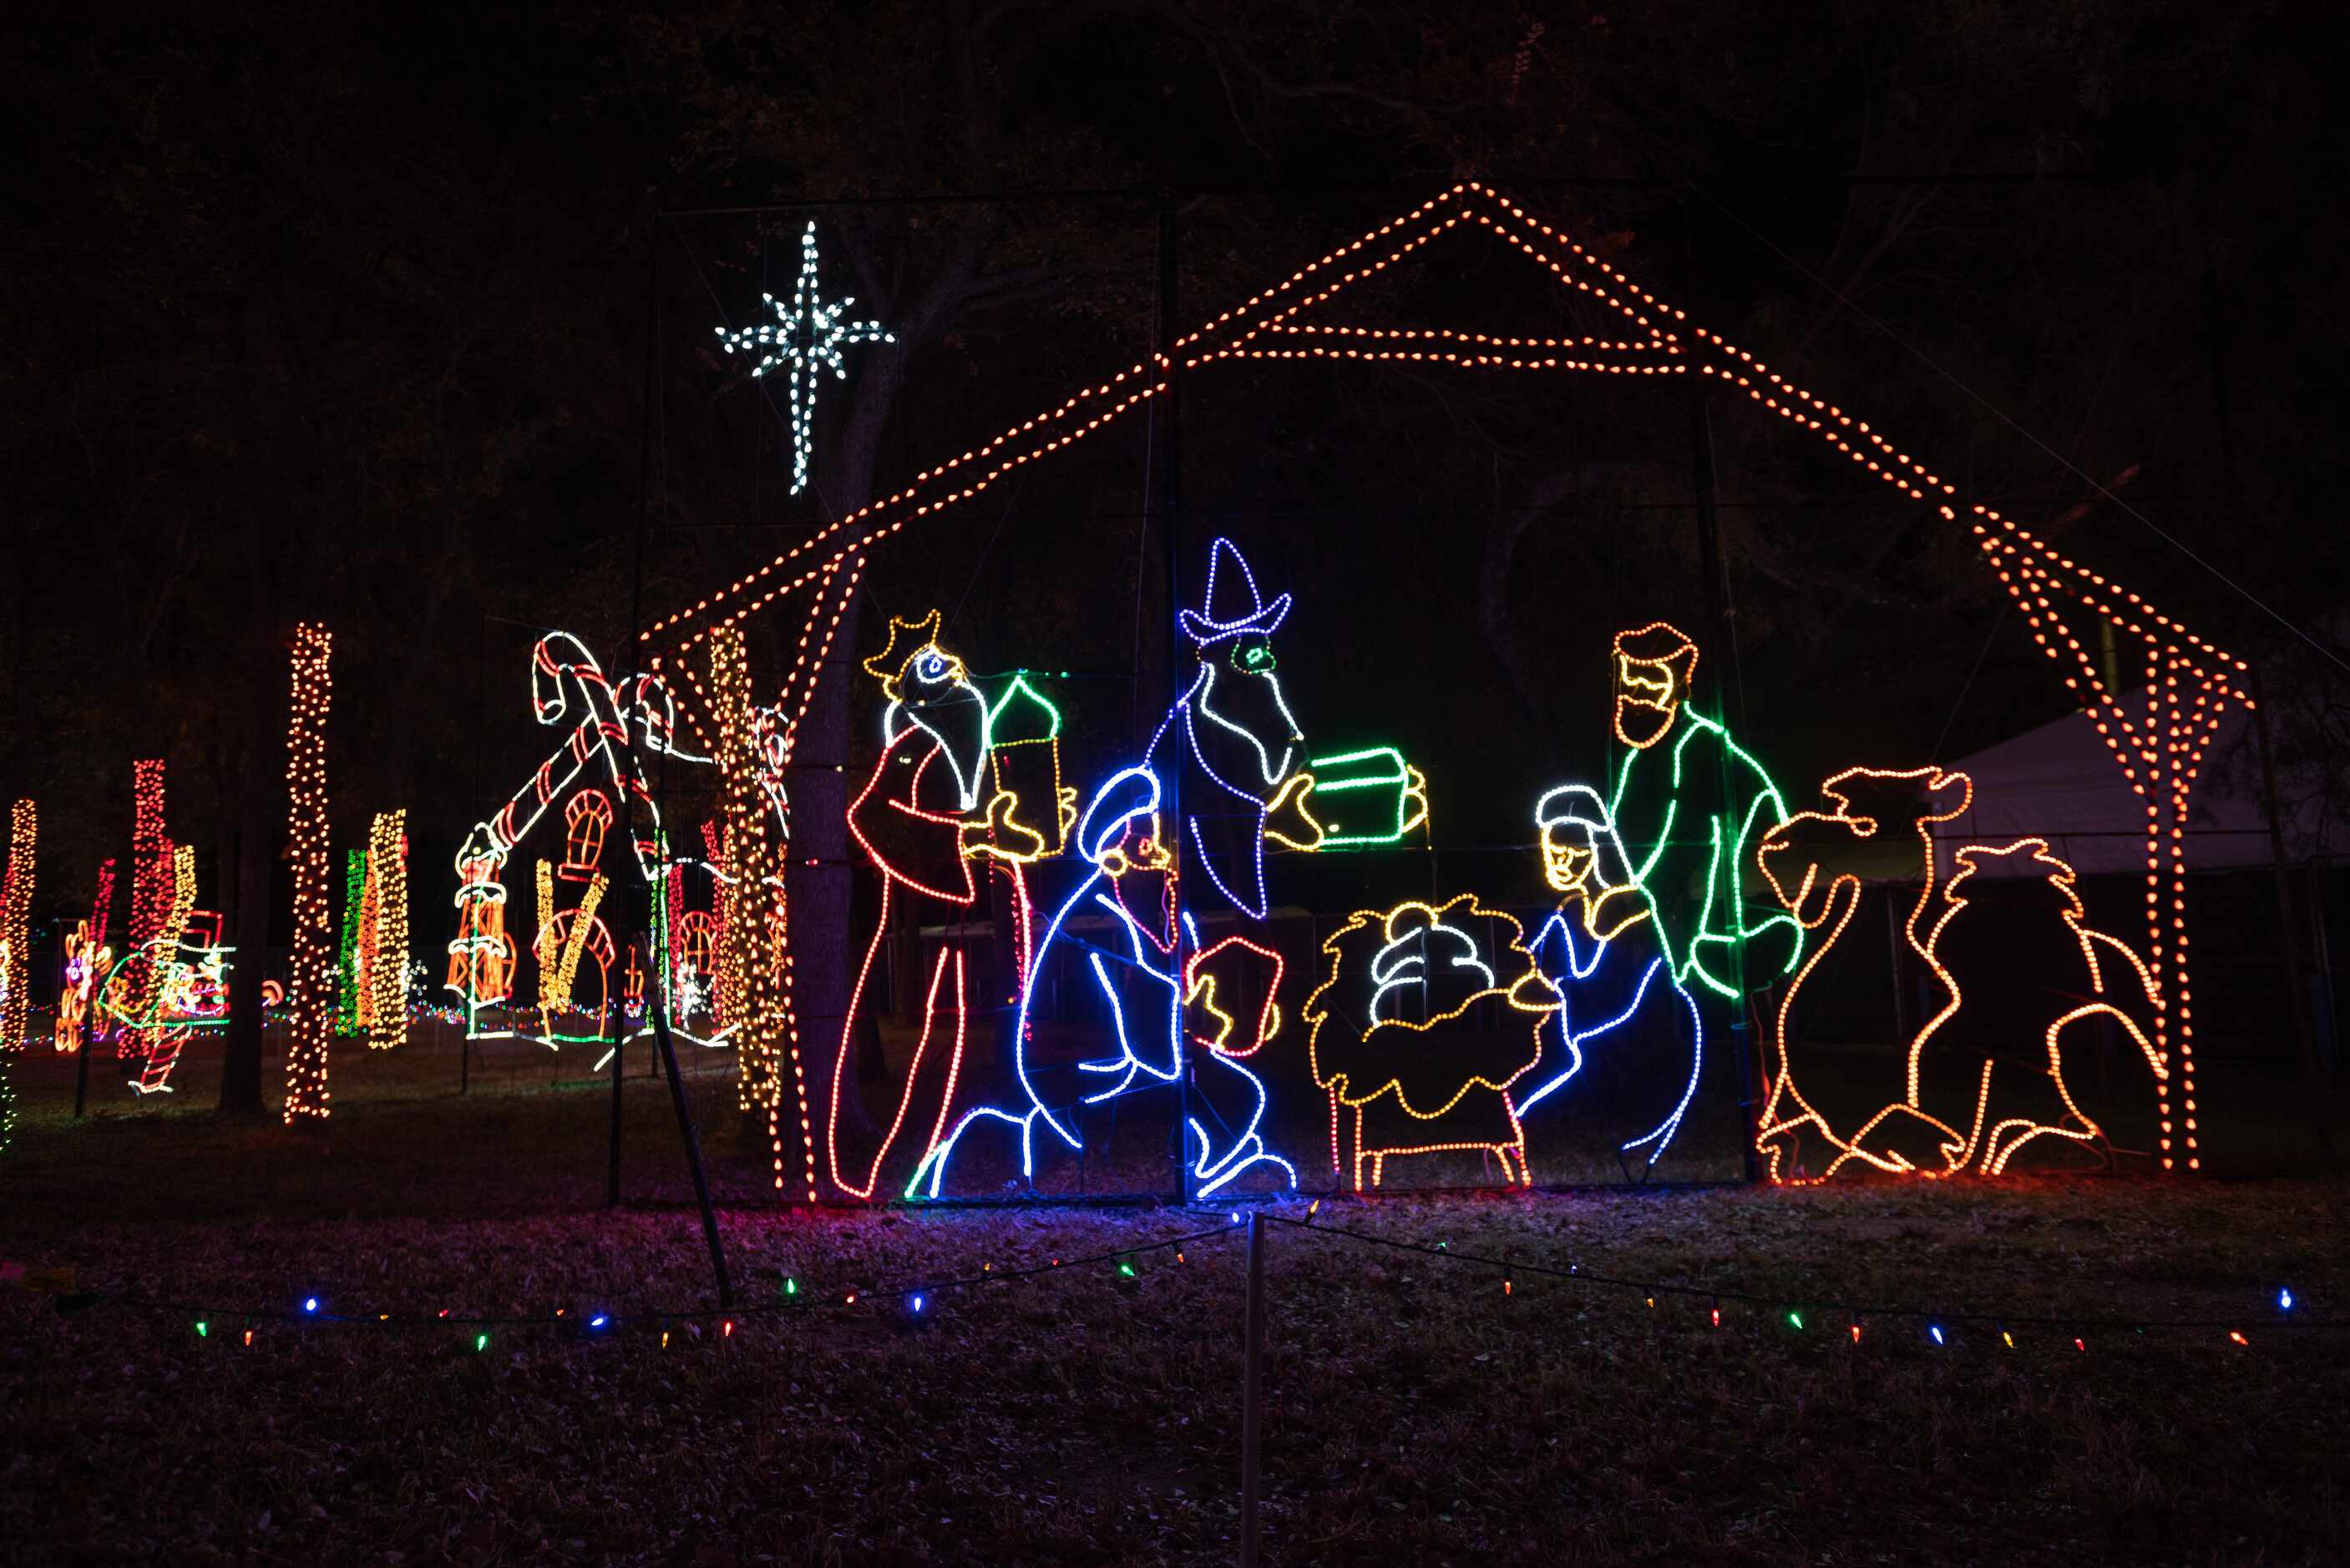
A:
[1599,942]
[1118,834]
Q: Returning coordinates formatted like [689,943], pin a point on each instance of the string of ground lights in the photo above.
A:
[1709,1307]
[1608,850]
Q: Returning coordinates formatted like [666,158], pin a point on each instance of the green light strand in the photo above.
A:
[347,960]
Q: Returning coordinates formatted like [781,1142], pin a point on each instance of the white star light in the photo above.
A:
[807,335]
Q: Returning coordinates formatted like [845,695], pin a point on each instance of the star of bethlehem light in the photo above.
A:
[808,336]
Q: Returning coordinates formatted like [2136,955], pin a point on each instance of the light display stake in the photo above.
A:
[17,979]
[387,970]
[808,336]
[310,991]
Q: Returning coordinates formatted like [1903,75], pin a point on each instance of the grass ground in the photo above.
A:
[1416,1413]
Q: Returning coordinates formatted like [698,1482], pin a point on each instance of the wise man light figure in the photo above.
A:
[923,817]
[1234,725]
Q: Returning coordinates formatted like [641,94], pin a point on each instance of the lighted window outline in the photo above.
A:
[586,818]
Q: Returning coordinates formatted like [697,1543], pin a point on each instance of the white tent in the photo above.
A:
[2062,782]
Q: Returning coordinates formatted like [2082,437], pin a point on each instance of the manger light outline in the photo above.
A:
[1338,1082]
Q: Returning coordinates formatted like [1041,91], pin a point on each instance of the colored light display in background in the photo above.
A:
[85,960]
[565,936]
[387,965]
[350,981]
[310,987]
[1393,802]
[152,883]
[544,947]
[1220,970]
[586,818]
[748,989]
[16,980]
[1409,1064]
[149,996]
[482,958]
[808,336]
[567,686]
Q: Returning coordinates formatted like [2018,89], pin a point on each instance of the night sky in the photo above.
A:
[380,323]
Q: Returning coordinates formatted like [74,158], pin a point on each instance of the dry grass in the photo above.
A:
[1416,1414]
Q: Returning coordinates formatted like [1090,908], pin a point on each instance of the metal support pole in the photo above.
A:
[692,1155]
[2287,929]
[1718,632]
[81,1062]
[2287,933]
[1252,1389]
[657,1005]
[1900,979]
[1170,515]
[619,1016]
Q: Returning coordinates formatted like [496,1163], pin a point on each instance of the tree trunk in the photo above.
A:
[817,876]
[255,838]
